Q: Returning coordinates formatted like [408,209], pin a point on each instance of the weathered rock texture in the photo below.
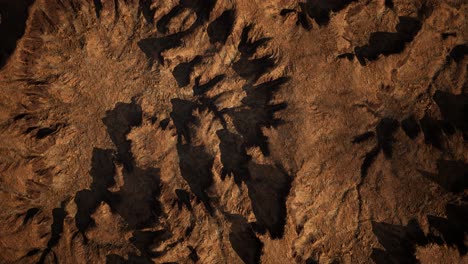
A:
[233,131]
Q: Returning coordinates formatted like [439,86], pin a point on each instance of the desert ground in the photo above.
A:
[233,131]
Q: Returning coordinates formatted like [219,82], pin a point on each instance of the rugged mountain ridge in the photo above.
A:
[233,131]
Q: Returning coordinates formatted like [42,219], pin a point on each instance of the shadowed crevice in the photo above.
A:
[163,22]
[385,130]
[249,123]
[195,162]
[387,43]
[195,166]
[201,89]
[399,242]
[193,254]
[202,8]
[46,131]
[155,46]
[119,122]
[452,175]
[244,241]
[369,158]
[97,7]
[311,260]
[384,133]
[164,123]
[32,252]
[363,137]
[286,11]
[145,240]
[248,47]
[268,189]
[233,156]
[13,17]
[389,3]
[136,201]
[116,10]
[56,230]
[454,109]
[258,112]
[220,29]
[147,11]
[458,53]
[302,18]
[102,171]
[348,56]
[432,130]
[411,127]
[261,95]
[86,202]
[451,231]
[183,198]
[30,213]
[183,71]
[182,118]
[320,11]
[253,69]
[446,35]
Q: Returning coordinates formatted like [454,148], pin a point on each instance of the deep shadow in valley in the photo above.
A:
[13,17]
[136,201]
[387,43]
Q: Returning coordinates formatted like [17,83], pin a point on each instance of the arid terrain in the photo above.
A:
[233,131]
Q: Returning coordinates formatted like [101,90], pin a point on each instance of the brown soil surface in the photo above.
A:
[233,131]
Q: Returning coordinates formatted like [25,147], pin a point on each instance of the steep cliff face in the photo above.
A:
[237,131]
